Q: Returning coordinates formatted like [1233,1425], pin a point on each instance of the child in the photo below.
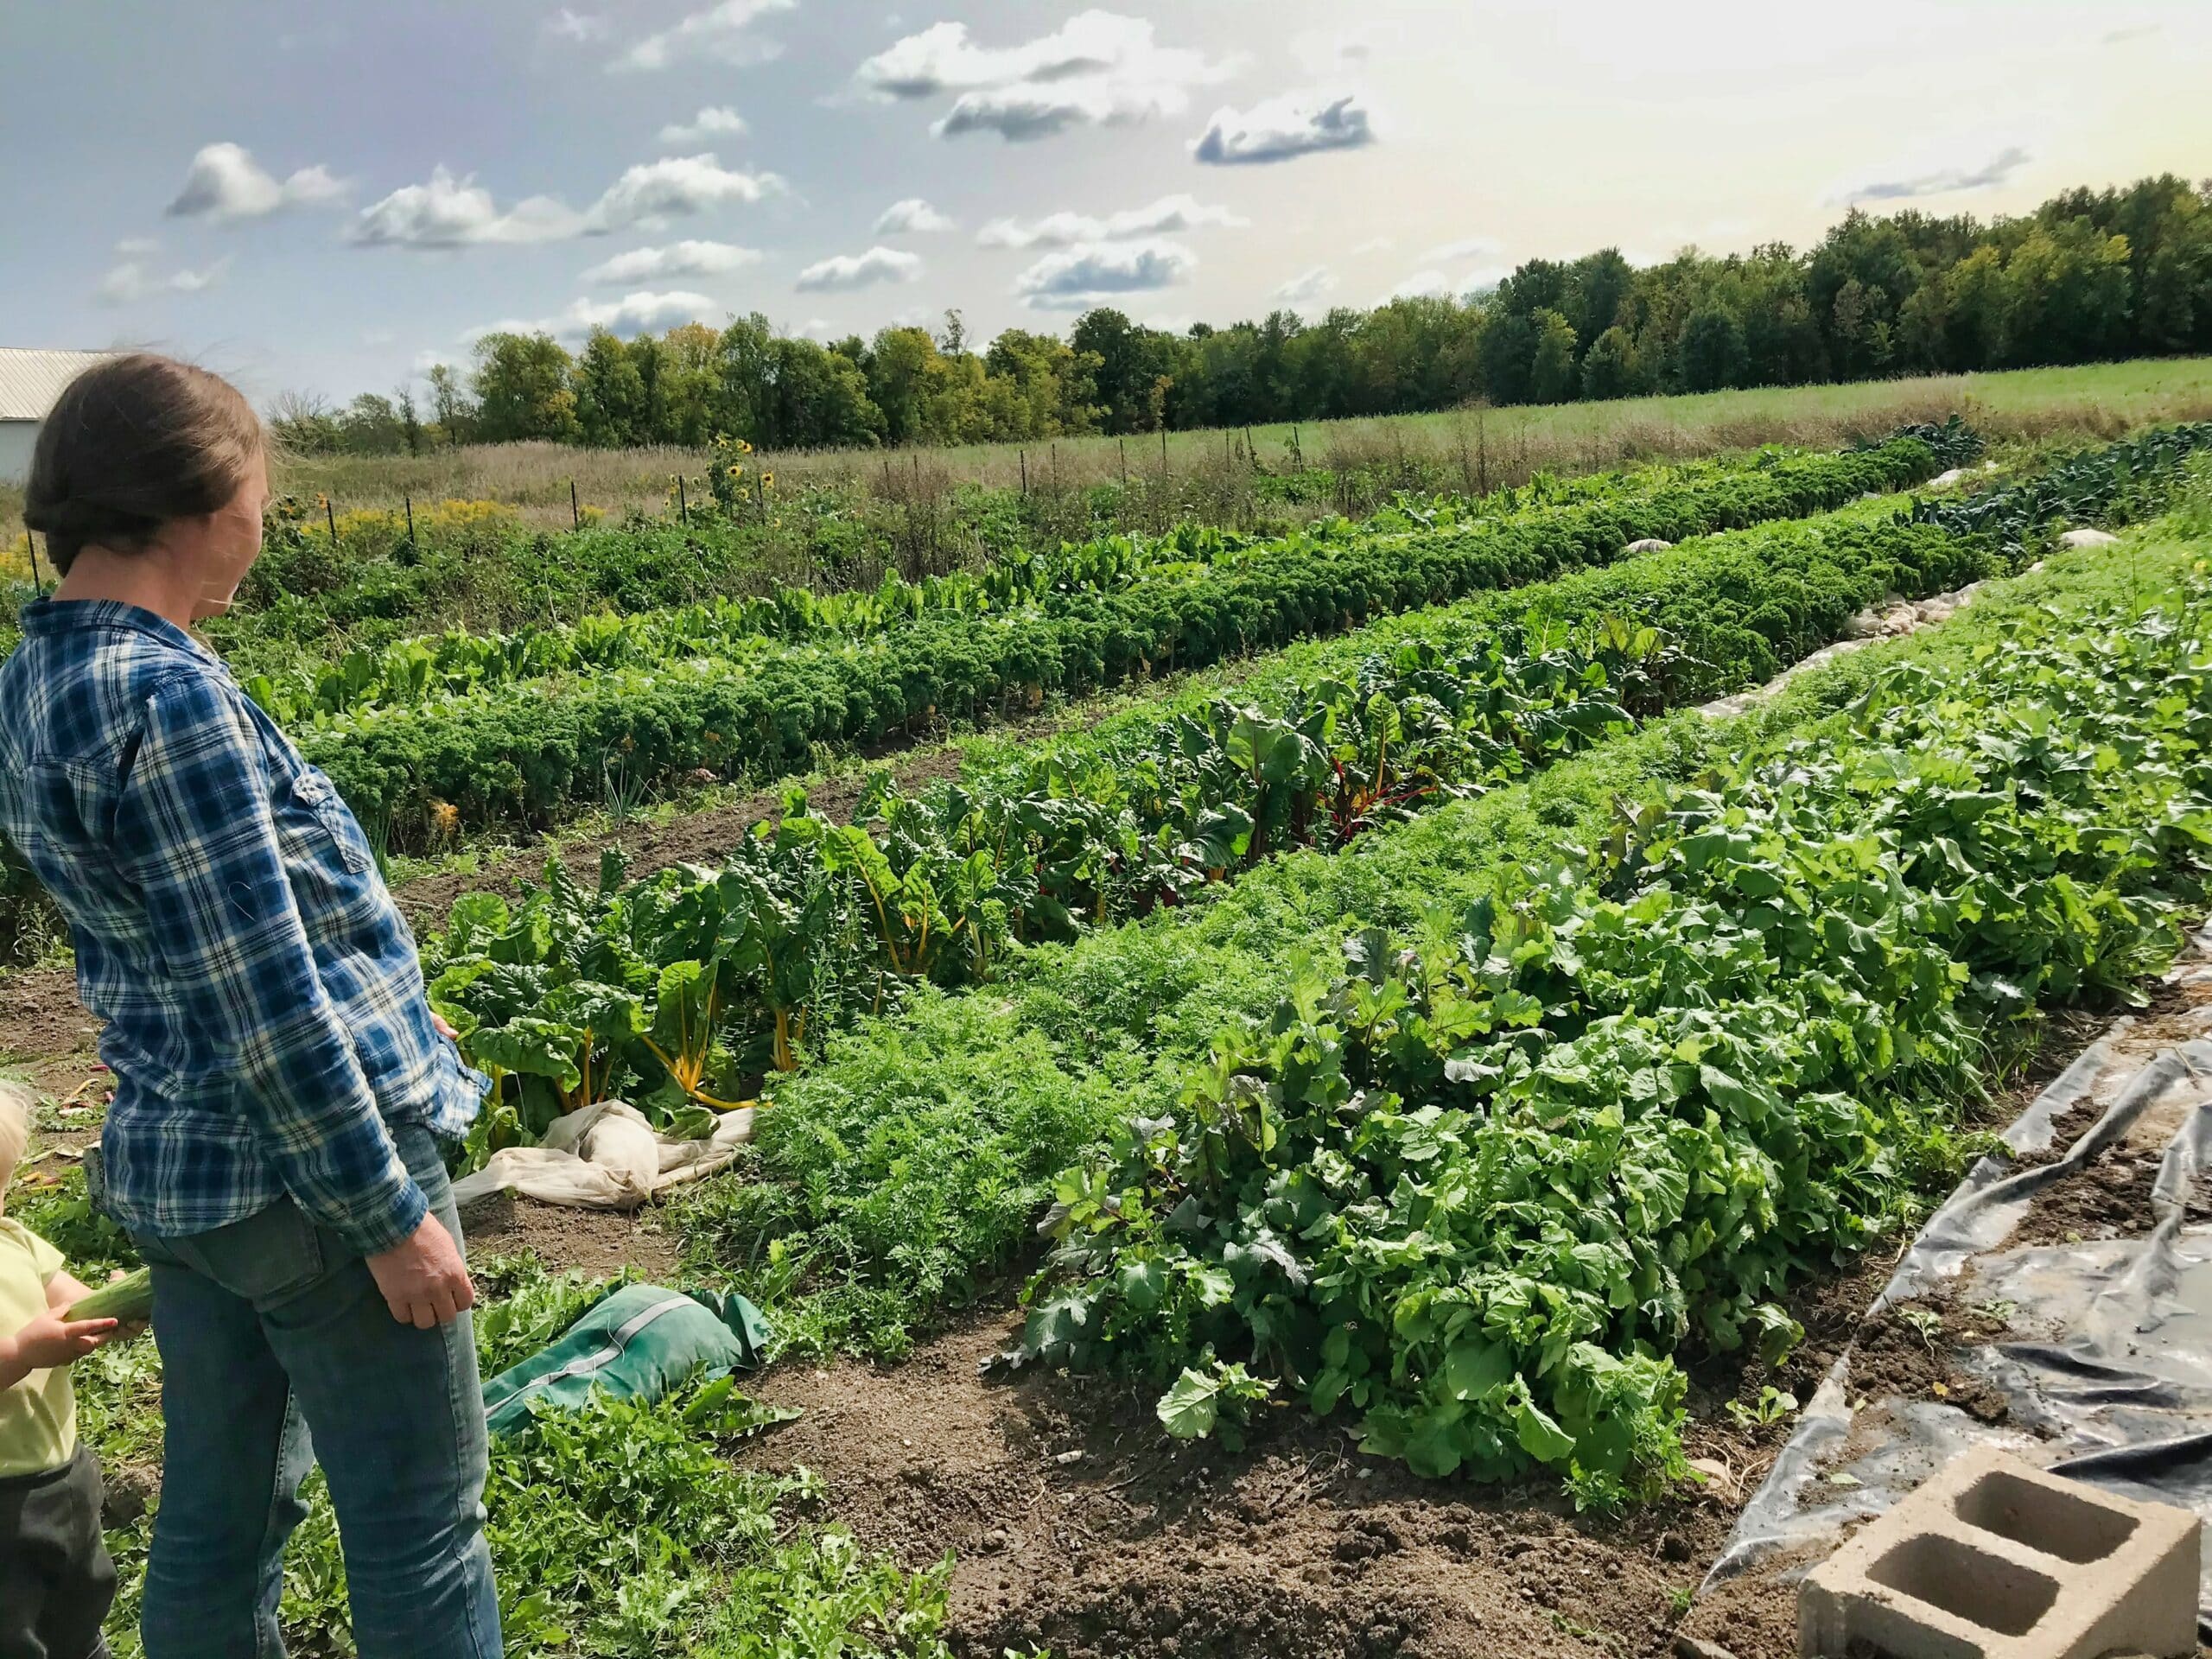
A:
[55,1577]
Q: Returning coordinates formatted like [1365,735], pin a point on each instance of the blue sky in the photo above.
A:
[328,197]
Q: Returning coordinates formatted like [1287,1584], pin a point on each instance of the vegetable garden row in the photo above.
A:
[528,753]
[297,687]
[1479,1185]
[677,992]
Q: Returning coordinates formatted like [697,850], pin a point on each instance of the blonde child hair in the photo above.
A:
[14,1130]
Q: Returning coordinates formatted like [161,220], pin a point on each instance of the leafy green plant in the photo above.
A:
[2119,483]
[1478,1185]
[1925,1323]
[1213,1399]
[621,1529]
[1772,1406]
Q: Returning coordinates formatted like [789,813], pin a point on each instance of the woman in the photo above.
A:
[281,1083]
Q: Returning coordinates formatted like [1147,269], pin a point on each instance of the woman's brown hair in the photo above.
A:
[131,444]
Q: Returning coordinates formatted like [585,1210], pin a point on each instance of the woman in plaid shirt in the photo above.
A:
[281,1086]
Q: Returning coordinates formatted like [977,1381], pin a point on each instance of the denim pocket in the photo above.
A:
[272,1254]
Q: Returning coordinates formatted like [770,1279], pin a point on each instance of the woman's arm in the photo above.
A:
[193,830]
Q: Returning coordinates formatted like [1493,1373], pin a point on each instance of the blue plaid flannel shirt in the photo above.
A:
[266,1020]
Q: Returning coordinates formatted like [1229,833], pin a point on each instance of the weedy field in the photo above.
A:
[1509,445]
[1340,1118]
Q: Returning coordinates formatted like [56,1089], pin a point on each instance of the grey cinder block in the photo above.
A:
[1995,1559]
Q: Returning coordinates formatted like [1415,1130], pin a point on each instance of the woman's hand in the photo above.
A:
[424,1281]
[438,1024]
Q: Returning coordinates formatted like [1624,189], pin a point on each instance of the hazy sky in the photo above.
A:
[328,196]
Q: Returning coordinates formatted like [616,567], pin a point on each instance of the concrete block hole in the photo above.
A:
[1981,1589]
[2044,1518]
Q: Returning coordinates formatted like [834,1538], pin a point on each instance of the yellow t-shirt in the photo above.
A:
[38,1416]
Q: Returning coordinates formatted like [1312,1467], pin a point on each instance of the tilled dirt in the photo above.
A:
[2109,1199]
[47,1036]
[1080,1524]
[597,1241]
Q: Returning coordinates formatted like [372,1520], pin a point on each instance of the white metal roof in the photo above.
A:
[31,381]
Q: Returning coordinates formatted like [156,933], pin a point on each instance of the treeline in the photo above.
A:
[2088,276]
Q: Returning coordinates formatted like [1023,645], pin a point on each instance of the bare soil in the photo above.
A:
[47,1037]
[597,1241]
[1077,1523]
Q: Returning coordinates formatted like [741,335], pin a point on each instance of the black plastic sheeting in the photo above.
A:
[2119,1396]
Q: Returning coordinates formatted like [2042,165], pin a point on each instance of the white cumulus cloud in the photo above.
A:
[1074,278]
[450,211]
[643,312]
[724,33]
[455,212]
[850,271]
[1421,285]
[1065,230]
[675,185]
[719,121]
[1307,286]
[1467,247]
[1098,68]
[677,259]
[133,277]
[913,216]
[1279,129]
[579,27]
[226,183]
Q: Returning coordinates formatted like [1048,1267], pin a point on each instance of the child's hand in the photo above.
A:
[50,1340]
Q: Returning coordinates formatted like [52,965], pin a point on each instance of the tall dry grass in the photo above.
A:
[1208,475]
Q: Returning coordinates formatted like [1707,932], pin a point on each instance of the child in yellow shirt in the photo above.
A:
[55,1579]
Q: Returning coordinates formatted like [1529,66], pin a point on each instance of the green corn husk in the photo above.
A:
[131,1297]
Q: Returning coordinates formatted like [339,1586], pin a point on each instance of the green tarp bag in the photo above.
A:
[639,1342]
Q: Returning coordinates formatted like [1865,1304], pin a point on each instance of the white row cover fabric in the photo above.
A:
[605,1156]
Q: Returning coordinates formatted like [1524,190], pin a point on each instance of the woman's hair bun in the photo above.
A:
[131,444]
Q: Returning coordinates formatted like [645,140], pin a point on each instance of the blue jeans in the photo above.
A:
[271,1329]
